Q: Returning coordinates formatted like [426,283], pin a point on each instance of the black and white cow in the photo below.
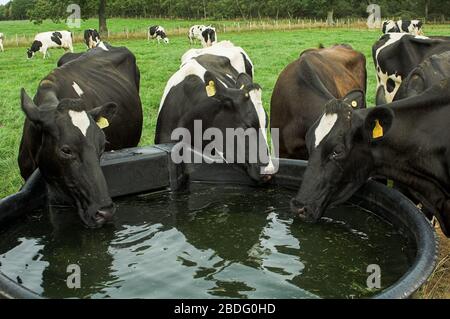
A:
[395,55]
[430,72]
[48,40]
[215,87]
[91,38]
[413,27]
[2,38]
[406,141]
[157,32]
[88,105]
[205,34]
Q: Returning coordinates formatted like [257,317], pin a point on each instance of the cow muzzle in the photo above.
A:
[97,217]
[305,212]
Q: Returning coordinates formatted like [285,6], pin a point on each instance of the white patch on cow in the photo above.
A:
[77,89]
[190,68]
[102,46]
[384,76]
[256,98]
[224,48]
[47,43]
[80,120]
[325,126]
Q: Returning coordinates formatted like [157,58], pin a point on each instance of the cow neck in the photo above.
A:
[400,157]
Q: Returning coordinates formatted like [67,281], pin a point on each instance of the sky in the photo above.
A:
[4,1]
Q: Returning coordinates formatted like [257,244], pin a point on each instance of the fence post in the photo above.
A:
[17,40]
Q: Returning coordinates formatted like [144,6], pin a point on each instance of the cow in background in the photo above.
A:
[157,32]
[306,85]
[91,38]
[395,55]
[49,40]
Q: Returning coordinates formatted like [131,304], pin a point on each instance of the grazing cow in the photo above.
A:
[91,38]
[413,27]
[157,32]
[2,38]
[217,90]
[395,55]
[60,136]
[48,40]
[306,85]
[406,141]
[430,72]
[205,34]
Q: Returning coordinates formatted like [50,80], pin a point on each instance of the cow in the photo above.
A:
[69,56]
[60,134]
[91,38]
[48,40]
[395,55]
[430,72]
[405,141]
[413,27]
[157,32]
[205,34]
[306,85]
[2,38]
[217,90]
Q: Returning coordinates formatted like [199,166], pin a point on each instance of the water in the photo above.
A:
[206,242]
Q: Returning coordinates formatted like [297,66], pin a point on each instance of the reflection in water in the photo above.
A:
[208,241]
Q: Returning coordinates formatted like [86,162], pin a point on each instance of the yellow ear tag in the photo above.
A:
[211,89]
[102,122]
[354,104]
[377,130]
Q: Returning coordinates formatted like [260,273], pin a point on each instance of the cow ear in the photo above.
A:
[356,99]
[213,86]
[243,80]
[29,108]
[378,122]
[103,114]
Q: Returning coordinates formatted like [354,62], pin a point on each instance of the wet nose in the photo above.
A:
[105,214]
[297,207]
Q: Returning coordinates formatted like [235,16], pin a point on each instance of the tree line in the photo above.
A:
[39,10]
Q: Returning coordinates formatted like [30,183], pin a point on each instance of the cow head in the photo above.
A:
[35,47]
[341,160]
[241,107]
[69,155]
[209,36]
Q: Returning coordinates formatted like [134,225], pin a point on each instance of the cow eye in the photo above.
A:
[337,154]
[65,150]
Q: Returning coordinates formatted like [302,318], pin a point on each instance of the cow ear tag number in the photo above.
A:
[377,130]
[211,89]
[102,122]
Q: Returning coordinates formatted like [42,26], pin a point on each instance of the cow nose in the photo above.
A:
[105,214]
[298,208]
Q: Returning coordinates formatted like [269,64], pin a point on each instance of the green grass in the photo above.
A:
[270,52]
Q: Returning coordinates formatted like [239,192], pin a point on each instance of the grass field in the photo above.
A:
[270,52]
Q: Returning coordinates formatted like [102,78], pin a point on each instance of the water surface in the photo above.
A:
[209,241]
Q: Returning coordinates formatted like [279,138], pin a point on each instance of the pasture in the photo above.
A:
[270,51]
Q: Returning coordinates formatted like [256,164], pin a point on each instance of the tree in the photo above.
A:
[102,27]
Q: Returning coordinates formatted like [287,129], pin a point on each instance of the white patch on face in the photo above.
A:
[102,46]
[256,98]
[80,120]
[325,126]
[77,89]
